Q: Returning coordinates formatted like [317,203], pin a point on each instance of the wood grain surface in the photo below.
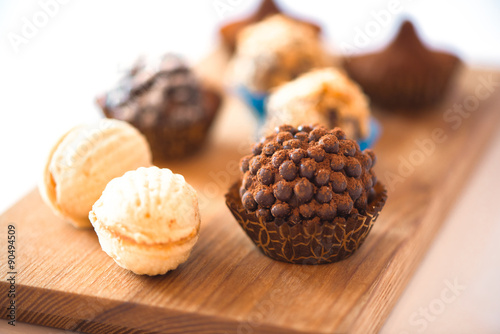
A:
[65,280]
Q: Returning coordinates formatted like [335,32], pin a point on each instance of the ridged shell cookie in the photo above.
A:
[148,220]
[84,160]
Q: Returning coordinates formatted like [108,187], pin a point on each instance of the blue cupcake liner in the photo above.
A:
[256,102]
[371,140]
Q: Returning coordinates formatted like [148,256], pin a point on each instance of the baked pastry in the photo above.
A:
[229,32]
[308,195]
[84,160]
[272,52]
[147,220]
[167,103]
[406,75]
[323,96]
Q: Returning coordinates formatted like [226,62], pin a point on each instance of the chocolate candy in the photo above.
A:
[264,214]
[257,148]
[249,202]
[348,148]
[324,195]
[339,182]
[304,190]
[307,175]
[337,163]
[270,148]
[255,165]
[280,210]
[406,76]
[264,198]
[297,155]
[329,143]
[317,133]
[322,177]
[247,182]
[265,176]
[353,167]
[307,211]
[344,204]
[278,158]
[283,191]
[283,136]
[166,102]
[327,211]
[288,170]
[244,164]
[307,168]
[316,153]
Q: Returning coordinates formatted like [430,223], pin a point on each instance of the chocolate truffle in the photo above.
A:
[167,103]
[317,201]
[230,31]
[406,75]
[323,96]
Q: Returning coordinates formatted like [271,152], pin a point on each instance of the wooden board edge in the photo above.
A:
[98,315]
[479,146]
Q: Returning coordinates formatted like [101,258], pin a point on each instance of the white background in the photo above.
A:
[48,85]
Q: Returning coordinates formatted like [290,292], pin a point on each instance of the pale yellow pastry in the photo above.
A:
[84,160]
[323,96]
[274,51]
[147,220]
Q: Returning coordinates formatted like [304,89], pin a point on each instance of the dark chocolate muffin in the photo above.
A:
[308,194]
[167,103]
[406,76]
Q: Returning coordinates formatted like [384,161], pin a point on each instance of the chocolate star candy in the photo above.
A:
[406,75]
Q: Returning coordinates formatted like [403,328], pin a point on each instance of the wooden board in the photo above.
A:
[64,280]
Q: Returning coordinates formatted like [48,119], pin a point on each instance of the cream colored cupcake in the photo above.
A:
[147,220]
[84,160]
[274,51]
[324,96]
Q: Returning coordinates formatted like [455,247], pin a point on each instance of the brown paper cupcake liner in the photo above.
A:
[174,141]
[171,143]
[307,243]
[178,141]
[406,93]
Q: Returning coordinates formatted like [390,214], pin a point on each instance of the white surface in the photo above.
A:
[49,86]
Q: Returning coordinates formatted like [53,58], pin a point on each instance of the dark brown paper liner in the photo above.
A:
[307,243]
[405,91]
[173,141]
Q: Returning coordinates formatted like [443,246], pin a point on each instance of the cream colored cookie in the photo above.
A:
[147,220]
[274,51]
[84,160]
[324,96]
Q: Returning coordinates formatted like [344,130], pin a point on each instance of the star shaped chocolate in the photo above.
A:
[406,75]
